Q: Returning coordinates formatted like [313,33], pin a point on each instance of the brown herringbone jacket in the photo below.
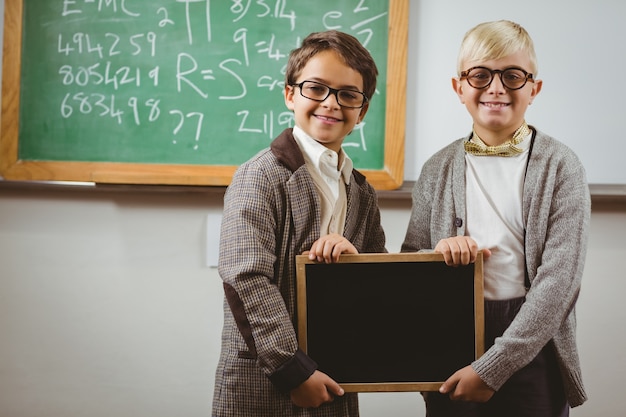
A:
[271,214]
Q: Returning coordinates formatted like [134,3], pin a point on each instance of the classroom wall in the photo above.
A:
[577,44]
[108,307]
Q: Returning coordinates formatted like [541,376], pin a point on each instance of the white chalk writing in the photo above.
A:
[134,64]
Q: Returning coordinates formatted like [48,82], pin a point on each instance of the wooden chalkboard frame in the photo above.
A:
[12,168]
[399,269]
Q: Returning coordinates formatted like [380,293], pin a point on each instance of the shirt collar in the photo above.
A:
[324,159]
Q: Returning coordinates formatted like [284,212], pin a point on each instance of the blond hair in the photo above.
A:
[495,40]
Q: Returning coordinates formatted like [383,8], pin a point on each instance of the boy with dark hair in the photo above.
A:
[300,195]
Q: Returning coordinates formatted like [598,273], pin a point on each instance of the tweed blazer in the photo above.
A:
[556,208]
[271,214]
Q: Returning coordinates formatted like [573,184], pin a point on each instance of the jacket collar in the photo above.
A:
[288,153]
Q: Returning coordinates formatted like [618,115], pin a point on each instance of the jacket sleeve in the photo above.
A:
[251,228]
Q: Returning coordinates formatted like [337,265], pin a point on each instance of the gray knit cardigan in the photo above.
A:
[556,212]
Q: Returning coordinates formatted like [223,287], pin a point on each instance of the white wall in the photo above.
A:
[107,307]
[579,47]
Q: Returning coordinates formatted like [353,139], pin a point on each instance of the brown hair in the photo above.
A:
[345,46]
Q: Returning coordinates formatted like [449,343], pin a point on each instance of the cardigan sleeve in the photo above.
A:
[435,210]
[557,210]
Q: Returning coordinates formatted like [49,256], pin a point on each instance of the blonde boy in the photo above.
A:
[522,197]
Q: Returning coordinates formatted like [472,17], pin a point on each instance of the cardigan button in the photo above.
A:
[458,222]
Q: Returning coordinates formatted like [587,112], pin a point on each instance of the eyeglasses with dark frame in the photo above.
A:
[315,91]
[512,78]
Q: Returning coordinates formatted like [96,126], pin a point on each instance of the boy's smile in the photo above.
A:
[493,105]
[326,121]
[496,110]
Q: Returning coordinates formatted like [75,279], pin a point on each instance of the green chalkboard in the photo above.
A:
[178,91]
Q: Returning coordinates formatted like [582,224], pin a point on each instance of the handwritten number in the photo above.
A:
[132,103]
[369,33]
[241,36]
[115,113]
[244,116]
[116,40]
[64,49]
[66,72]
[267,8]
[154,109]
[105,69]
[91,48]
[100,103]
[166,20]
[137,50]
[66,109]
[151,37]
[239,8]
[78,40]
[281,14]
[84,106]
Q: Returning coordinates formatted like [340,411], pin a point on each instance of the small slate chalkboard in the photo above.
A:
[390,322]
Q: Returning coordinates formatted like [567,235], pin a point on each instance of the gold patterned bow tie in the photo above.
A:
[476,146]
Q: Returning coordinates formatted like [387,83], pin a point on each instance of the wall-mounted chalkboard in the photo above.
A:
[390,322]
[179,92]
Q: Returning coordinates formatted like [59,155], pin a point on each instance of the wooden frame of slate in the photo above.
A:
[390,322]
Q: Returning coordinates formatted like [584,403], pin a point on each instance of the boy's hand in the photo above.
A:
[328,248]
[459,250]
[315,391]
[466,385]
